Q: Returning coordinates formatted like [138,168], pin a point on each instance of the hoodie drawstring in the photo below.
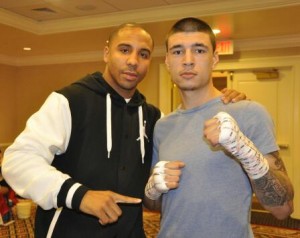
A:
[142,133]
[142,129]
[108,125]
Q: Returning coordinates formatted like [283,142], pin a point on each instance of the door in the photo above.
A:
[276,95]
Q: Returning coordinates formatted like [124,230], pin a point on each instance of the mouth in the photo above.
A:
[187,74]
[130,75]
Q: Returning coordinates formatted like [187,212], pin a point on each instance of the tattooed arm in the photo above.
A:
[267,173]
[274,190]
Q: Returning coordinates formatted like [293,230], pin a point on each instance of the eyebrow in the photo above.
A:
[123,45]
[194,45]
[128,45]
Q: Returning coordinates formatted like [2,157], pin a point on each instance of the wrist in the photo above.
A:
[150,191]
[156,184]
[234,141]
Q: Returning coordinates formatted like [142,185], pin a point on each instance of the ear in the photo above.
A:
[167,62]
[105,54]
[215,59]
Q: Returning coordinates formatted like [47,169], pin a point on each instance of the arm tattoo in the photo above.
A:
[273,188]
[278,162]
[270,190]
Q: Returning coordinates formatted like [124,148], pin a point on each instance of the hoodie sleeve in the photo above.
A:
[27,162]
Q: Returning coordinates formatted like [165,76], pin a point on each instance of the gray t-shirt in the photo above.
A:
[214,196]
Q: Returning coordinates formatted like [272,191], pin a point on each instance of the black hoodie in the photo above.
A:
[89,160]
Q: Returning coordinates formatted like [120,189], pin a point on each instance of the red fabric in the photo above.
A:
[7,201]
[12,197]
[4,208]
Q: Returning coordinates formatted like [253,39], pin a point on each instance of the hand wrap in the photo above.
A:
[234,141]
[156,184]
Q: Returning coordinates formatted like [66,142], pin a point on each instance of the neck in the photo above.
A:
[125,93]
[196,98]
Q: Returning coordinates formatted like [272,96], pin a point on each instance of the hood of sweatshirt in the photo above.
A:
[96,83]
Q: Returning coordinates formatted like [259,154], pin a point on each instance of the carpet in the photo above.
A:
[19,228]
[151,226]
[266,218]
[24,228]
[263,231]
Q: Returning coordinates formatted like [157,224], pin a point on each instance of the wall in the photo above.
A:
[8,110]
[26,88]
[35,83]
[150,85]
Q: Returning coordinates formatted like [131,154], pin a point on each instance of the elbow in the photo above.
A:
[284,211]
[281,215]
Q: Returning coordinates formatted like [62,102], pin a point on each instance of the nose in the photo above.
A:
[188,59]
[132,59]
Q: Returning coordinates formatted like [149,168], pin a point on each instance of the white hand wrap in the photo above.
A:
[156,184]
[241,147]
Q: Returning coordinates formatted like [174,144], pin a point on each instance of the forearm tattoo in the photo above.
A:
[270,190]
[273,189]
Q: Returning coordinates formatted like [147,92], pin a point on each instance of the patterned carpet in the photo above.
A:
[24,228]
[151,225]
[20,228]
[265,218]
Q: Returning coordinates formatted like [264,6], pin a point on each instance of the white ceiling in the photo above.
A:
[74,30]
[43,10]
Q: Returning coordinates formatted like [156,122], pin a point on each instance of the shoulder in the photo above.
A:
[152,112]
[84,86]
[72,90]
[246,110]
[166,123]
[152,108]
[252,117]
[256,123]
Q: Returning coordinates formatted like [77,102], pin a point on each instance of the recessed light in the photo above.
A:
[216,31]
[27,48]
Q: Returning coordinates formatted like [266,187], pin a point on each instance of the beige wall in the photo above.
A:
[35,83]
[150,85]
[8,112]
[24,89]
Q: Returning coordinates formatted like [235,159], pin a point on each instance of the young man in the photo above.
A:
[208,164]
[85,156]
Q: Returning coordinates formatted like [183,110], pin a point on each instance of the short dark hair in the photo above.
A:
[191,24]
[125,25]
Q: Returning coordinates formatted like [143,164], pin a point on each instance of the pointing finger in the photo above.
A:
[125,199]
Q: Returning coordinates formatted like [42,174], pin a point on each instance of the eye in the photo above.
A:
[124,49]
[200,51]
[176,52]
[145,54]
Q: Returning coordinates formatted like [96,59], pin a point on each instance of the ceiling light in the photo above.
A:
[216,31]
[27,48]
